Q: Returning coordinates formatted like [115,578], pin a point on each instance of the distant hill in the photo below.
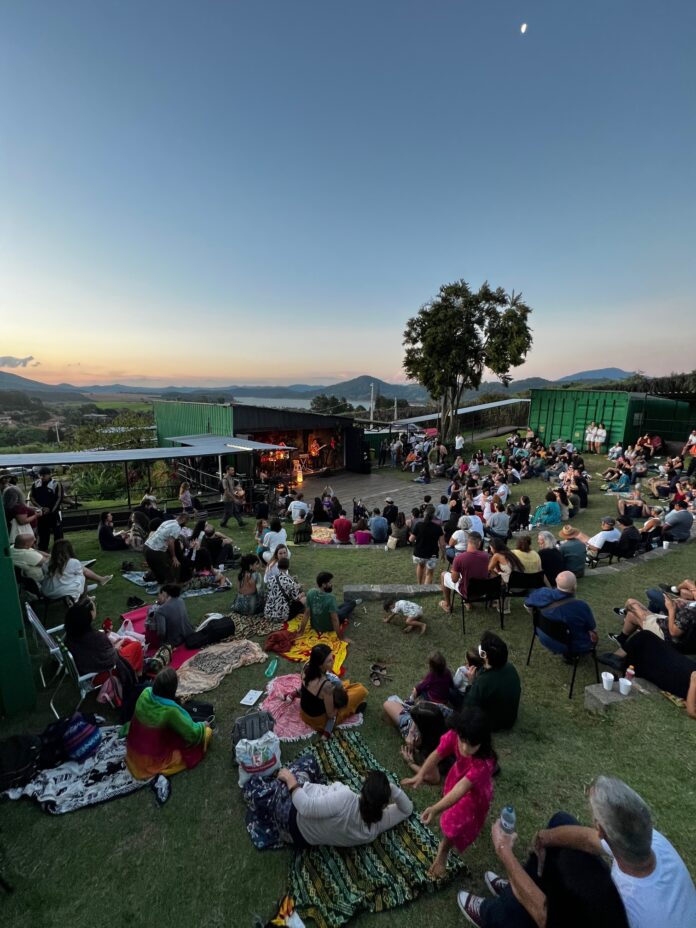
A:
[602,373]
[43,390]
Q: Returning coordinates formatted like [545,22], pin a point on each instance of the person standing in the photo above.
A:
[232,498]
[161,552]
[458,443]
[47,495]
[428,544]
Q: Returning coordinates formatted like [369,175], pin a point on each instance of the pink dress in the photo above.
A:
[463,821]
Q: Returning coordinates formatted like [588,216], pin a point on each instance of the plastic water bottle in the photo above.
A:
[630,673]
[508,820]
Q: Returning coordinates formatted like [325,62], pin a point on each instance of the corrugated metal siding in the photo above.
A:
[566,413]
[174,418]
[671,419]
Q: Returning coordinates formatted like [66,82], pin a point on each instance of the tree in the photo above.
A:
[459,334]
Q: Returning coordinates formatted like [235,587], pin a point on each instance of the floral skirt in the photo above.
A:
[270,803]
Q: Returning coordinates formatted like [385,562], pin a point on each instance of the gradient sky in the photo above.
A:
[223,192]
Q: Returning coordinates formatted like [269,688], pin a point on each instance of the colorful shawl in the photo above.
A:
[162,738]
[303,644]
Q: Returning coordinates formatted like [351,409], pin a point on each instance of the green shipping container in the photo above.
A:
[565,414]
[173,419]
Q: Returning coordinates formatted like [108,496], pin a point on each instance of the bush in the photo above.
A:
[93,481]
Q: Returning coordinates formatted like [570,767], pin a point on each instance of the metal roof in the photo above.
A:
[214,445]
[460,412]
[231,442]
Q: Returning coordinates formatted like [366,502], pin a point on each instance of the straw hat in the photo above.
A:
[568,532]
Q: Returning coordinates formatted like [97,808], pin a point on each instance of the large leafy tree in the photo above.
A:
[459,334]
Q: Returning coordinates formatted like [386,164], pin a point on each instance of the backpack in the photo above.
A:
[19,760]
[213,631]
[250,727]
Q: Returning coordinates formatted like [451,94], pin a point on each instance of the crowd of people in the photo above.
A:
[450,717]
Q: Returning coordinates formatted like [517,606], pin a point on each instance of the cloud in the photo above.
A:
[9,361]
[36,364]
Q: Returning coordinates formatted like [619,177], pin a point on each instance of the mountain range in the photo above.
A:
[356,389]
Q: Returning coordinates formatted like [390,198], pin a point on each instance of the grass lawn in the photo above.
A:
[192,858]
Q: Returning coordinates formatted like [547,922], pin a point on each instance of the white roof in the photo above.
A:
[431,417]
[230,441]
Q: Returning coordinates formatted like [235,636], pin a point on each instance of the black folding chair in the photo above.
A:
[607,553]
[520,585]
[483,591]
[559,631]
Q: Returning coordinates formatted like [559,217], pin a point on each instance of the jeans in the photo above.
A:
[656,601]
[232,510]
[345,610]
[505,911]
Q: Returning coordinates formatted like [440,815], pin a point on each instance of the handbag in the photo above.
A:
[258,757]
[251,726]
[392,543]
[200,711]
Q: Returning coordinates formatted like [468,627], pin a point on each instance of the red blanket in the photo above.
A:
[180,654]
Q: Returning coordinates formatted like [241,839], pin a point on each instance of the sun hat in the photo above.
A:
[568,531]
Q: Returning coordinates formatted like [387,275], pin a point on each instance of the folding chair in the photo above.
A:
[608,551]
[482,591]
[559,631]
[84,683]
[520,584]
[45,635]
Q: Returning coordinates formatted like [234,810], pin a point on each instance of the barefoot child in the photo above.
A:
[411,612]
[468,789]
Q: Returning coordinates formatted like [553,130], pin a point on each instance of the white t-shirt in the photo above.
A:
[458,442]
[502,491]
[601,538]
[666,898]
[70,583]
[476,525]
[298,508]
[271,540]
[408,609]
[159,538]
[601,436]
[460,539]
[590,433]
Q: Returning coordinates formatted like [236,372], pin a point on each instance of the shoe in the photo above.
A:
[620,611]
[470,906]
[617,639]
[666,588]
[496,884]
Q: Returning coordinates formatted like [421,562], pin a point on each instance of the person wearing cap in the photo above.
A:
[561,605]
[390,511]
[47,495]
[573,551]
[608,533]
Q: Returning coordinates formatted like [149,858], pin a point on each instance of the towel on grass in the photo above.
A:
[180,654]
[206,669]
[152,587]
[288,723]
[303,644]
[75,785]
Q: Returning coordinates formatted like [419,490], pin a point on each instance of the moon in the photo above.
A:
[523,28]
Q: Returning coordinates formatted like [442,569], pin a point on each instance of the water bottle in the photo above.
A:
[508,820]
[630,673]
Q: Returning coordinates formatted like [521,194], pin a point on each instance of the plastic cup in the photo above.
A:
[665,545]
[608,681]
[625,686]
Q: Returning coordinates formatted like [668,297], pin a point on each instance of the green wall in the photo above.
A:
[175,418]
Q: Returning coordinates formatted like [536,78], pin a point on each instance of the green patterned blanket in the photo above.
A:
[332,885]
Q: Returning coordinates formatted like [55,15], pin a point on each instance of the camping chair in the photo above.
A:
[45,635]
[483,591]
[559,631]
[607,553]
[84,683]
[520,585]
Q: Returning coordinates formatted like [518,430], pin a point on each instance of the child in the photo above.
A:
[468,791]
[411,612]
[464,675]
[437,683]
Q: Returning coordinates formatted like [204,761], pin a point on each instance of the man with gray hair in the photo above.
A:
[561,605]
[652,880]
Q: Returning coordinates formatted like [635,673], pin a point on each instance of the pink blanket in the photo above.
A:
[288,723]
[180,654]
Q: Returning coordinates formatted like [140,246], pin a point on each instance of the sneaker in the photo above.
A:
[620,611]
[470,906]
[496,884]
[666,588]
[617,639]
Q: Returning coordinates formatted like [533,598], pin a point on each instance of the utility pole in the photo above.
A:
[395,414]
[57,434]
[372,402]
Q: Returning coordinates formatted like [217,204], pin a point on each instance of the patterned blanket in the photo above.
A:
[152,588]
[288,723]
[302,646]
[332,885]
[206,669]
[73,785]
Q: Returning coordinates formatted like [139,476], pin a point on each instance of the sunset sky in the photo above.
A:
[213,193]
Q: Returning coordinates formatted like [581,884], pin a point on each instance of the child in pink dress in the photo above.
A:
[468,790]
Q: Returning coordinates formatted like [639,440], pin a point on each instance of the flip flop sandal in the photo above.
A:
[376,678]
[379,668]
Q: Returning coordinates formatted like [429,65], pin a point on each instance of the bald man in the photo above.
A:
[561,605]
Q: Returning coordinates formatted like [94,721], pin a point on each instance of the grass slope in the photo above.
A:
[192,859]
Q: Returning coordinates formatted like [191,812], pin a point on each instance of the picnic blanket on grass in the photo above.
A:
[73,785]
[246,626]
[322,535]
[288,723]
[302,646]
[207,668]
[332,885]
[180,654]
[152,588]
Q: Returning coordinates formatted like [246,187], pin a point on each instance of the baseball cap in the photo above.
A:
[608,520]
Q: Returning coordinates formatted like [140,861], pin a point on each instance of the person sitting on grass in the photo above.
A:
[167,621]
[519,514]
[437,683]
[633,505]
[249,599]
[468,789]
[284,596]
[471,564]
[325,701]
[322,611]
[162,738]
[109,540]
[675,619]
[379,527]
[661,664]
[302,529]
[65,575]
[400,531]
[548,513]
[493,687]
[342,528]
[411,612]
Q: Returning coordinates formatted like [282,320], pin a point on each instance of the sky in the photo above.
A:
[228,192]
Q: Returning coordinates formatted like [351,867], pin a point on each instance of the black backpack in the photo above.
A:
[19,760]
[214,631]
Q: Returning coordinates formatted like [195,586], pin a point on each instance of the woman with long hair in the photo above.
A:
[138,530]
[325,701]
[249,599]
[65,575]
[503,561]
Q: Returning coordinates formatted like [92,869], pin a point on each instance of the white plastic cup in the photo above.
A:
[221,568]
[608,681]
[625,686]
[665,545]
